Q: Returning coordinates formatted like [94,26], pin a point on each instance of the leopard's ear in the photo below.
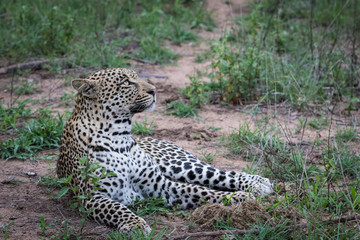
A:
[86,87]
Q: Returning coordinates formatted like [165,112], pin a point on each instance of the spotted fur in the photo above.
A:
[100,129]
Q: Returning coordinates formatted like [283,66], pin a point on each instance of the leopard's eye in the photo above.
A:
[126,83]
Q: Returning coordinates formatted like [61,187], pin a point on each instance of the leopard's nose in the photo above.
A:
[152,91]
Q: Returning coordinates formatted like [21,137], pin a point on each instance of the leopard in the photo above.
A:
[99,130]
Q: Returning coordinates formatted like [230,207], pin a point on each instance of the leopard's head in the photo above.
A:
[116,91]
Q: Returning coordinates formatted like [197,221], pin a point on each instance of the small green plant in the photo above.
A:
[68,98]
[207,157]
[346,134]
[181,109]
[301,125]
[18,107]
[43,226]
[143,128]
[342,160]
[49,182]
[212,128]
[5,228]
[240,139]
[9,117]
[65,232]
[227,200]
[237,70]
[282,161]
[68,79]
[11,180]
[265,231]
[196,92]
[202,57]
[224,224]
[87,171]
[318,123]
[149,206]
[37,134]
[27,88]
[9,121]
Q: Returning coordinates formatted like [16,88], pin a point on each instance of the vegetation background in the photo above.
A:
[269,87]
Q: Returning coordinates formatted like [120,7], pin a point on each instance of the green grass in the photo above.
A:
[68,99]
[318,123]
[5,228]
[212,128]
[58,229]
[268,152]
[143,128]
[181,109]
[207,157]
[36,134]
[101,34]
[9,116]
[26,88]
[149,206]
[343,160]
[282,53]
[49,182]
[265,231]
[327,187]
[197,92]
[348,134]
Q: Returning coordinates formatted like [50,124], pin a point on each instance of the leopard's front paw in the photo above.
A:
[131,228]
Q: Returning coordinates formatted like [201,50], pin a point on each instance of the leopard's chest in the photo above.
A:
[130,170]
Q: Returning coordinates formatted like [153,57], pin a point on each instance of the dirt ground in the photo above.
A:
[23,201]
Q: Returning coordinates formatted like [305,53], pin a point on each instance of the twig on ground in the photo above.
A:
[61,213]
[141,60]
[146,75]
[253,231]
[33,65]
[348,124]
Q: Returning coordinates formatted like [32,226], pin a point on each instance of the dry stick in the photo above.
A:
[12,90]
[348,124]
[328,153]
[353,51]
[146,75]
[26,65]
[304,169]
[312,4]
[61,213]
[252,231]
[141,60]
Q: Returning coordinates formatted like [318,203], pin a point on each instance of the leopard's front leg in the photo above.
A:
[114,214]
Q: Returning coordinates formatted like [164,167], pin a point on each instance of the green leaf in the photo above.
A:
[62,192]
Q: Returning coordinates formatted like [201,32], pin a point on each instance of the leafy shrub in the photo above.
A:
[181,109]
[237,70]
[197,92]
[45,132]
